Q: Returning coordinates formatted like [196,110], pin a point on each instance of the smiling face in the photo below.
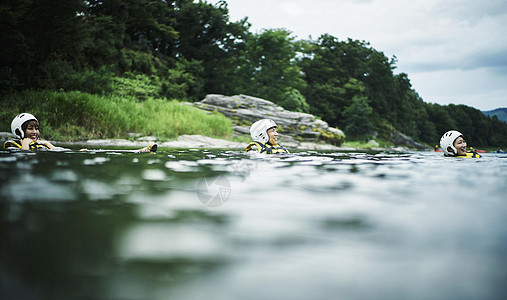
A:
[273,136]
[461,145]
[31,130]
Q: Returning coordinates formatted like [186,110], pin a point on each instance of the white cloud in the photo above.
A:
[460,42]
[481,88]
[292,9]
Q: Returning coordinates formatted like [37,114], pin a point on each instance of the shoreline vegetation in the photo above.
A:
[78,118]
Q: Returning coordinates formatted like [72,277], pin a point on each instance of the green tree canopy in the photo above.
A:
[357,117]
[269,69]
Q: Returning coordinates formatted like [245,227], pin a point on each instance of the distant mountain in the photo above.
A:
[500,113]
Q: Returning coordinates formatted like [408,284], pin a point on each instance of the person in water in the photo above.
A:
[25,127]
[452,143]
[265,137]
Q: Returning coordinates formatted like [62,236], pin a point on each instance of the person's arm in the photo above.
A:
[25,143]
[252,147]
[46,143]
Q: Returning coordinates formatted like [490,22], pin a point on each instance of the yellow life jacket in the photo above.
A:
[32,145]
[470,154]
[266,148]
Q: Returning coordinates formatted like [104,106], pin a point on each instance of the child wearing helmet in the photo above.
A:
[265,137]
[452,143]
[25,126]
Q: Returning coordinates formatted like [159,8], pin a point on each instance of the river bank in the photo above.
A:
[85,119]
[193,141]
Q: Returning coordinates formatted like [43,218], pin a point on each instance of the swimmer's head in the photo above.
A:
[20,122]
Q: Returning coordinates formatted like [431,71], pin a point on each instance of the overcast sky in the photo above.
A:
[454,51]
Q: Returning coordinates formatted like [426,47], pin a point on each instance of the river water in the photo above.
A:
[220,224]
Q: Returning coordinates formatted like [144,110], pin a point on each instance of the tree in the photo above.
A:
[207,35]
[357,118]
[441,118]
[336,72]
[33,37]
[269,69]
[293,100]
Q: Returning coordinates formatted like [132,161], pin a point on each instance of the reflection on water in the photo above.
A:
[191,224]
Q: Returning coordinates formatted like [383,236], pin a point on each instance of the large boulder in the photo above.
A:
[294,127]
[400,139]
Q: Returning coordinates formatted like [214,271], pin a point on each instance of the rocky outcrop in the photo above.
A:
[400,139]
[295,128]
[183,141]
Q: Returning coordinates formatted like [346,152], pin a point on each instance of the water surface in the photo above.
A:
[220,224]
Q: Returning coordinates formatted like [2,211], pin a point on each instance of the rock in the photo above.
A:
[294,127]
[199,141]
[6,136]
[110,142]
[374,143]
[399,139]
[148,139]
[134,134]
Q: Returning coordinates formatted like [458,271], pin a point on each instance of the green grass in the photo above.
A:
[244,138]
[77,115]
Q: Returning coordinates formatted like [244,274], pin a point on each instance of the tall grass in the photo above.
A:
[77,115]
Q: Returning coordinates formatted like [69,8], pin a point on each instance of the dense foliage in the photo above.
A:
[78,115]
[185,49]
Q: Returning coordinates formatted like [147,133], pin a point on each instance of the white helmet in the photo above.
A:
[447,140]
[258,130]
[18,121]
